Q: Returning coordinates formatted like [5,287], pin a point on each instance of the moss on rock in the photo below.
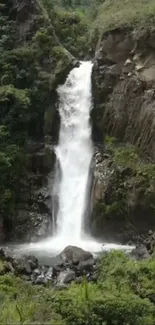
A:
[125,206]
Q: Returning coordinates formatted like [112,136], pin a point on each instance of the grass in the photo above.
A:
[113,14]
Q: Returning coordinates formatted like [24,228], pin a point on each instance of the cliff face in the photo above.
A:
[124,115]
[123,89]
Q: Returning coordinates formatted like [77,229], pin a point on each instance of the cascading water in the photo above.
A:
[74,153]
[74,150]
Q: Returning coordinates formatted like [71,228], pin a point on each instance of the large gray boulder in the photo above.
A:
[74,253]
[66,277]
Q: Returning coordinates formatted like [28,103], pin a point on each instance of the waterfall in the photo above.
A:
[70,191]
[74,151]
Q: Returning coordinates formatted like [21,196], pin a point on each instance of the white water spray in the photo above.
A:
[74,153]
[74,150]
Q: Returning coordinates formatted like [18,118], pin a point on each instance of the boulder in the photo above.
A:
[49,274]
[141,252]
[61,286]
[25,265]
[22,266]
[66,277]
[74,253]
[40,280]
[2,253]
[87,265]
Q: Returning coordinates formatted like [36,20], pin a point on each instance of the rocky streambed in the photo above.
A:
[73,264]
[70,265]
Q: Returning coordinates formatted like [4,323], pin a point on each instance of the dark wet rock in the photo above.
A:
[94,278]
[87,265]
[61,286]
[25,265]
[26,278]
[2,254]
[8,258]
[130,243]
[60,275]
[36,272]
[119,212]
[73,253]
[57,269]
[78,273]
[66,276]
[44,269]
[9,267]
[124,108]
[56,261]
[33,278]
[78,280]
[141,252]
[148,243]
[41,279]
[75,262]
[32,260]
[49,274]
[22,267]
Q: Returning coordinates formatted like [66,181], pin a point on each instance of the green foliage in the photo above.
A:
[131,177]
[112,14]
[29,71]
[123,295]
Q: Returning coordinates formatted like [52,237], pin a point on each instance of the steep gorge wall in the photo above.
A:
[123,89]
[124,108]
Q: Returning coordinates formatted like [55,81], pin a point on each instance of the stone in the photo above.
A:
[26,277]
[49,274]
[94,278]
[9,267]
[75,262]
[36,272]
[130,243]
[115,70]
[141,252]
[72,253]
[24,267]
[128,66]
[87,265]
[8,258]
[44,269]
[56,261]
[32,260]
[41,279]
[66,276]
[2,253]
[26,264]
[61,286]
[78,280]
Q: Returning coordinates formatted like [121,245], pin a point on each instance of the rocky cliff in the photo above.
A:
[123,122]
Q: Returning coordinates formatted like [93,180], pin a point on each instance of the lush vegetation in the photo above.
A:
[133,183]
[32,62]
[113,14]
[124,294]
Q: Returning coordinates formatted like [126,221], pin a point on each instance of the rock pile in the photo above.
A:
[72,264]
[145,249]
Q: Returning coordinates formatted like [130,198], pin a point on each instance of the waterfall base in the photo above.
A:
[51,247]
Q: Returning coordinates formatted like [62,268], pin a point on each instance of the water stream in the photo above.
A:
[74,150]
[74,153]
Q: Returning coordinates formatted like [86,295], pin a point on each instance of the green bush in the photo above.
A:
[123,295]
[113,14]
